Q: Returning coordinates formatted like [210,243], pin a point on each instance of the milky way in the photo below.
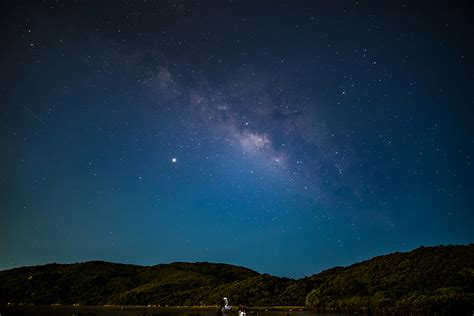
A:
[286,137]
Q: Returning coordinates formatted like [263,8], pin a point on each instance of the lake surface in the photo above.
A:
[133,311]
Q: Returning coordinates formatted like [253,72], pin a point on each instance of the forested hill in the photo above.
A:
[428,278]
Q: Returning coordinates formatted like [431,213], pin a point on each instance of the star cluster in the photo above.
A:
[288,137]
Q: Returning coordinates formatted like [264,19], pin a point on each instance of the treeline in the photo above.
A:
[436,279]
[430,279]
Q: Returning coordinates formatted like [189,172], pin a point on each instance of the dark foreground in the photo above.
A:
[137,311]
[62,310]
[431,280]
[428,279]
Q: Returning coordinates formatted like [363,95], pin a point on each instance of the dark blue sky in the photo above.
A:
[284,136]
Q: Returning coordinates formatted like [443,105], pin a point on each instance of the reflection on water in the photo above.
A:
[131,311]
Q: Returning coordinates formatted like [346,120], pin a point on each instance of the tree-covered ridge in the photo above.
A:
[428,278]
[98,283]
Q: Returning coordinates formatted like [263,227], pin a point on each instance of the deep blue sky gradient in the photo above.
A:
[306,134]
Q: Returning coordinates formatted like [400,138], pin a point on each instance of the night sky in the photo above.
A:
[285,136]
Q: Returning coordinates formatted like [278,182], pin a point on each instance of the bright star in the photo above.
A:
[173,160]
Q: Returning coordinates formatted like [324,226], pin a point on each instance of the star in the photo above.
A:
[264,131]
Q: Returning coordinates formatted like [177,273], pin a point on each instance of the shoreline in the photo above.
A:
[152,307]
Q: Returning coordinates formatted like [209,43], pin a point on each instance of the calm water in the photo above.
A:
[130,311]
